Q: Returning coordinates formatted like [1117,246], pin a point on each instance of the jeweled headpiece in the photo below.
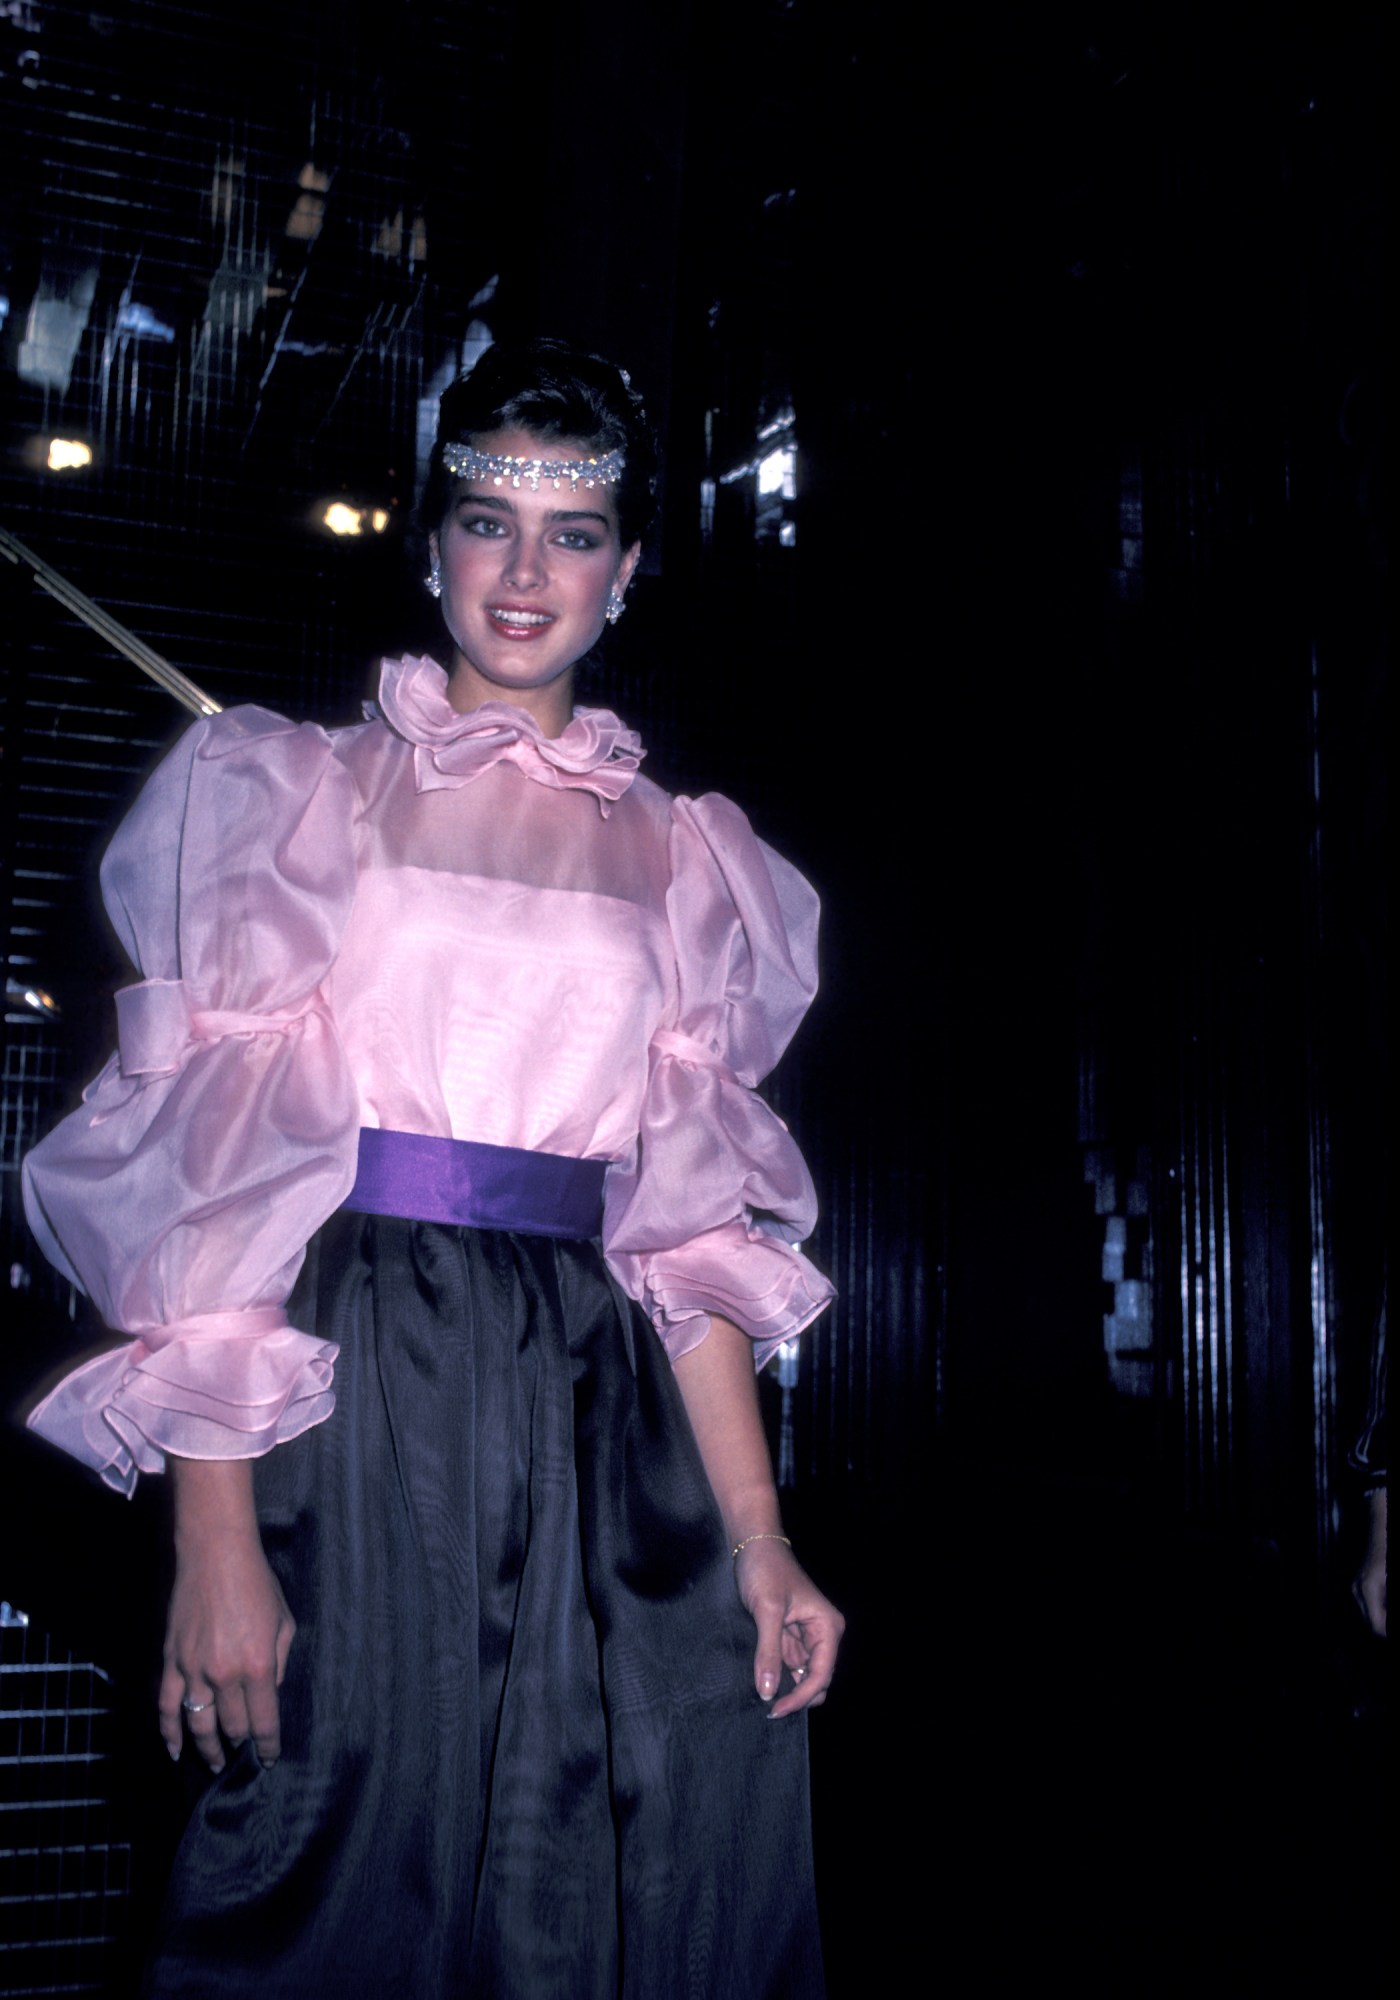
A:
[464,461]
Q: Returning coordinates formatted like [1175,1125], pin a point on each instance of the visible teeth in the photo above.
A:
[522,617]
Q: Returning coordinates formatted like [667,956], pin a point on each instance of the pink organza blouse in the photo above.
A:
[435,923]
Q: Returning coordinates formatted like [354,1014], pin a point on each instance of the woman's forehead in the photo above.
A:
[517,444]
[519,464]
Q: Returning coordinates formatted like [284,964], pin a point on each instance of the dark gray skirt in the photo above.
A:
[523,1755]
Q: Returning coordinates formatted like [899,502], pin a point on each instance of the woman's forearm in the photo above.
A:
[795,1626]
[720,1392]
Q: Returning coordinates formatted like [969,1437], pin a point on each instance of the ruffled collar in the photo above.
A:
[596,753]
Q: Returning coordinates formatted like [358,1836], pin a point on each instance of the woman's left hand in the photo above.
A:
[798,1628]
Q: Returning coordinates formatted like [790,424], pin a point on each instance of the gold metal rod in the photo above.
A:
[107,627]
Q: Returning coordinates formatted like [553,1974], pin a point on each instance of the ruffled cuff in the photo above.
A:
[215,1385]
[767,1287]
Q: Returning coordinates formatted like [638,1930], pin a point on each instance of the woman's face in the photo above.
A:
[525,579]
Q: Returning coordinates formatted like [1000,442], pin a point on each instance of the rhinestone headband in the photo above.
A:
[464,461]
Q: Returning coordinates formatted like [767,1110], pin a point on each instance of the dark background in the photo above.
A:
[1061,672]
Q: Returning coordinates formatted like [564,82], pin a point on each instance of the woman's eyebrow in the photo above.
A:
[505,506]
[497,500]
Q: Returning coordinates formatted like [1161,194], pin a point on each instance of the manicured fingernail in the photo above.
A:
[172,1753]
[768,1686]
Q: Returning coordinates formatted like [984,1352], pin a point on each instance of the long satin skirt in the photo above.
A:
[523,1755]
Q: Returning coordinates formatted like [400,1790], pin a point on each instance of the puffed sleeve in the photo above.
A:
[183,1191]
[709,1215]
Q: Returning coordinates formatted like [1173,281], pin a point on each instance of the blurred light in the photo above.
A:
[68,455]
[140,320]
[777,473]
[35,998]
[392,237]
[475,341]
[230,176]
[343,517]
[787,535]
[304,222]
[57,319]
[389,241]
[308,212]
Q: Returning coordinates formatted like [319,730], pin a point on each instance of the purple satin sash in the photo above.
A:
[486,1187]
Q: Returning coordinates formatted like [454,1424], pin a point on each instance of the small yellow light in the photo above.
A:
[379,520]
[342,520]
[68,455]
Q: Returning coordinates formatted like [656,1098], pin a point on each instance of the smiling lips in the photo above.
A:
[519,621]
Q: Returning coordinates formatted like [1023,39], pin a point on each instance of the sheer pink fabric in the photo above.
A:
[389,926]
[182,1194]
[744,927]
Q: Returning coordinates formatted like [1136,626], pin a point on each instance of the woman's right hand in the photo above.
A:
[229,1631]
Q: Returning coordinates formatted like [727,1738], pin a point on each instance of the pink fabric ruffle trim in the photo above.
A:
[767,1288]
[216,1385]
[596,752]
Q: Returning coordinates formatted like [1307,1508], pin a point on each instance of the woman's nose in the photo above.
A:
[524,565]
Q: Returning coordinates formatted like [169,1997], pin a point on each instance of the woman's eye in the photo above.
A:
[483,524]
[577,538]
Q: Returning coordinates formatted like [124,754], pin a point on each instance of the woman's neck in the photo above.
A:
[551,705]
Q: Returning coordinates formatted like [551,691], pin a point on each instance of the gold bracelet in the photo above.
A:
[739,1547]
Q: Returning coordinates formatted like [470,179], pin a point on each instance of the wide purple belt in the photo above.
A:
[486,1187]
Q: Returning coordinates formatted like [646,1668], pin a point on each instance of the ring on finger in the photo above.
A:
[799,1674]
[195,1707]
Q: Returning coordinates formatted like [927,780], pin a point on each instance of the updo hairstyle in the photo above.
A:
[552,390]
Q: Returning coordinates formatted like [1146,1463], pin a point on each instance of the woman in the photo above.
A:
[438,1085]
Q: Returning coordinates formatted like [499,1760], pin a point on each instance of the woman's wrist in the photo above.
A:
[763,1535]
[752,1514]
[213,1497]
